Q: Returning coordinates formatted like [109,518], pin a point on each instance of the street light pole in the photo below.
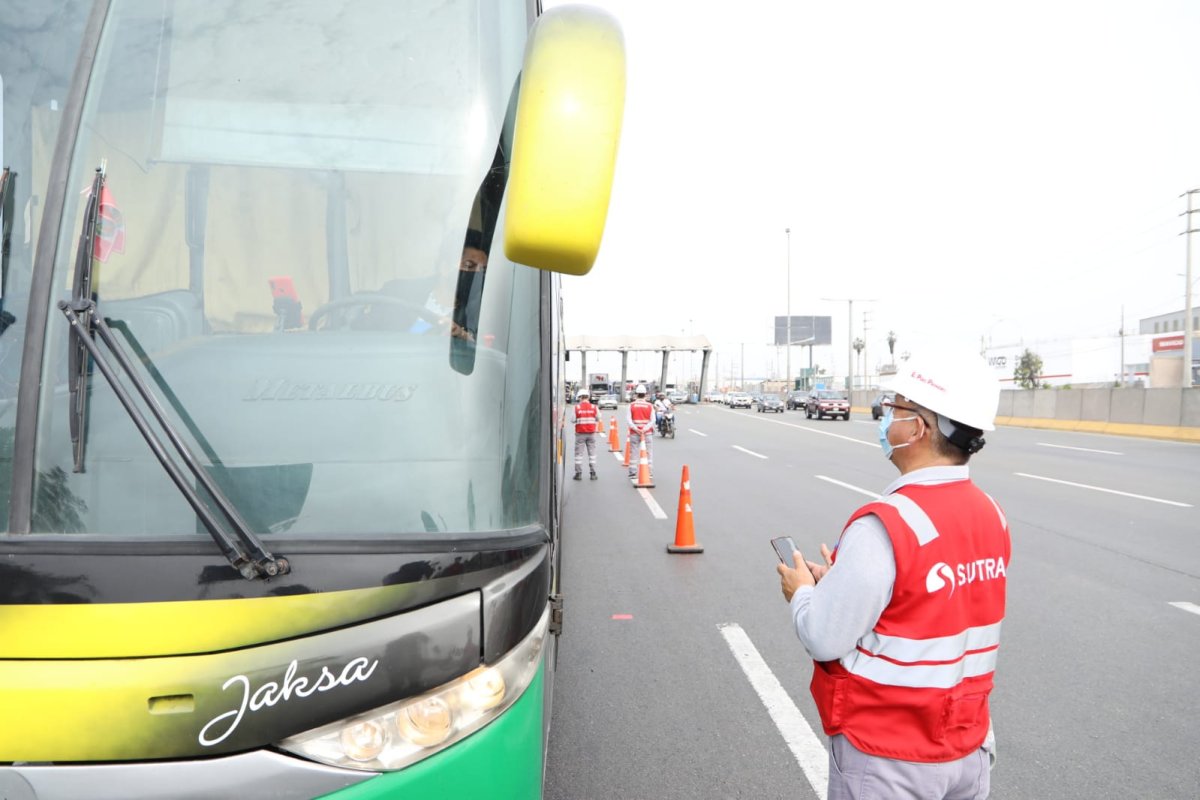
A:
[788,376]
[849,335]
[1188,331]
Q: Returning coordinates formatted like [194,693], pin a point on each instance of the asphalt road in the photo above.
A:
[679,675]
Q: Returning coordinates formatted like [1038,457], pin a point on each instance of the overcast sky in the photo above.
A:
[1009,171]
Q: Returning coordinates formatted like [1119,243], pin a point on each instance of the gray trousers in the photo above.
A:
[855,775]
[585,441]
[635,451]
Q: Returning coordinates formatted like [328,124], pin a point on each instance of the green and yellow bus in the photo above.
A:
[281,405]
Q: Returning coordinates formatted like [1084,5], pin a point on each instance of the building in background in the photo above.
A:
[1079,363]
[1167,347]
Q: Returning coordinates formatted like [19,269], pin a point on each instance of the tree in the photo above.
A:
[858,346]
[1029,368]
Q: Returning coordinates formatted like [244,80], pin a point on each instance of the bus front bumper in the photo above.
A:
[504,759]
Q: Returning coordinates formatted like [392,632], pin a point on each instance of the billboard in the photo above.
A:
[818,329]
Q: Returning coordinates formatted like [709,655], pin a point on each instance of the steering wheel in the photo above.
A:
[367,299]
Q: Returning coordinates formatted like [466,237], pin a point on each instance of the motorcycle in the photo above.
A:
[666,424]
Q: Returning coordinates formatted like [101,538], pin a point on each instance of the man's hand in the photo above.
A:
[792,579]
[819,570]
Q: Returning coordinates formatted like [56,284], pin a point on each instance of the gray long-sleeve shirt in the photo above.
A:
[832,616]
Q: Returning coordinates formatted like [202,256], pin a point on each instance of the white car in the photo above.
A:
[739,400]
[607,401]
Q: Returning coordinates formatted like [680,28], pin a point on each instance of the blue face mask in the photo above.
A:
[885,422]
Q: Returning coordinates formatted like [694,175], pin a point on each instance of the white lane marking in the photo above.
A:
[1192,607]
[851,487]
[1107,491]
[698,433]
[750,452]
[807,749]
[655,508]
[1081,449]
[823,433]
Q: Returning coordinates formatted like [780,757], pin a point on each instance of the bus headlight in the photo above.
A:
[397,735]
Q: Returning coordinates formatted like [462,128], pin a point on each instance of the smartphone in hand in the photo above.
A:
[784,548]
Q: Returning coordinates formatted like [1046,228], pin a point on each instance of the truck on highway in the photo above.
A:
[599,384]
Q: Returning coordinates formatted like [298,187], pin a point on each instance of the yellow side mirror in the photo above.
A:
[565,145]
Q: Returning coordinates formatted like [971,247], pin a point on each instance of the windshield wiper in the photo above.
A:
[77,354]
[243,549]
[8,190]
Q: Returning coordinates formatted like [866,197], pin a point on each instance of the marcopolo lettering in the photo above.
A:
[283,390]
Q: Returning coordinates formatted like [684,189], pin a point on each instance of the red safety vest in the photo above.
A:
[916,687]
[642,414]
[585,417]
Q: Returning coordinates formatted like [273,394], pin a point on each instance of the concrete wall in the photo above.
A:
[1189,415]
[1095,405]
[1159,407]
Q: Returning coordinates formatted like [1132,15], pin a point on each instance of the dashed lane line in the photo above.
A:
[1184,606]
[1080,449]
[750,452]
[1106,491]
[817,430]
[655,508]
[806,748]
[851,487]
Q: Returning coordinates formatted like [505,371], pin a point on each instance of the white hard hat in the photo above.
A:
[583,393]
[957,386]
[640,389]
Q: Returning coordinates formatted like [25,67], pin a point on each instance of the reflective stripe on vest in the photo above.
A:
[585,417]
[642,414]
[913,516]
[939,663]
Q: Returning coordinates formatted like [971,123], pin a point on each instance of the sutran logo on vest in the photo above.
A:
[942,574]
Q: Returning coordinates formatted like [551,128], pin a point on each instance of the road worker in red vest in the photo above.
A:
[586,424]
[640,421]
[902,619]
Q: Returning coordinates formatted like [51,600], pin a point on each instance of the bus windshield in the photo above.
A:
[295,243]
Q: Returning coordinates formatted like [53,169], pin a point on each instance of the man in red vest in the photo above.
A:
[586,424]
[640,420]
[902,619]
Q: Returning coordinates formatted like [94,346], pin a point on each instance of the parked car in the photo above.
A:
[770,402]
[827,403]
[739,400]
[877,405]
[796,400]
[607,401]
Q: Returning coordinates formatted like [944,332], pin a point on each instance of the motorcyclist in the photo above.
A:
[662,407]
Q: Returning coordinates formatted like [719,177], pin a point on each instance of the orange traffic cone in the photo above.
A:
[614,441]
[626,453]
[685,533]
[644,479]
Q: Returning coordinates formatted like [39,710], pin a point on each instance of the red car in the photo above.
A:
[827,403]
